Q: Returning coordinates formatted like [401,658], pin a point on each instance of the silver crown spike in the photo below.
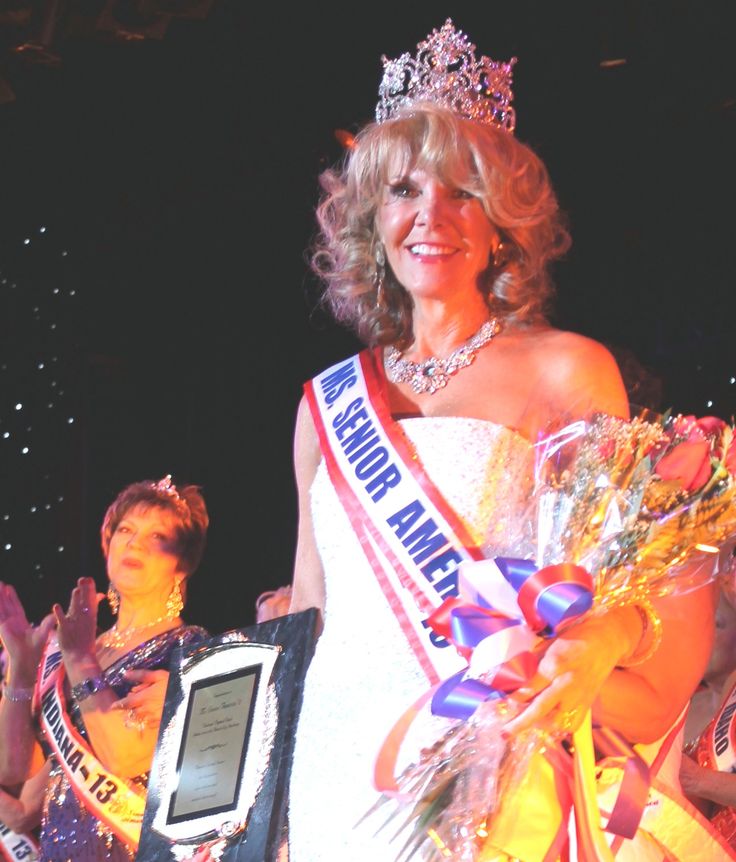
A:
[446,72]
[166,486]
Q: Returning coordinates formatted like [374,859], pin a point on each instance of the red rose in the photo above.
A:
[688,463]
[698,428]
[730,459]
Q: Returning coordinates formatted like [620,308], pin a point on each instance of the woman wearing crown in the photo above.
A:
[436,235]
[85,709]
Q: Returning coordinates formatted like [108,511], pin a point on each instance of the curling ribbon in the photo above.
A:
[591,842]
[545,599]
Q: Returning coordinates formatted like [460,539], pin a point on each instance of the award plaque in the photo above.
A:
[220,773]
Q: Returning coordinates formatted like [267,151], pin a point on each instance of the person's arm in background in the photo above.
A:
[273,603]
[24,644]
[21,812]
[700,782]
[703,783]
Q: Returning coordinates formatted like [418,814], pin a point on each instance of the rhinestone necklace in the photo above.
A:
[115,638]
[434,373]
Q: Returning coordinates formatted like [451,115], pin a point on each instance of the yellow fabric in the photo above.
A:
[530,815]
[587,812]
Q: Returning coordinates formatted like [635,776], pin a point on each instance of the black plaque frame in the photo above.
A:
[259,837]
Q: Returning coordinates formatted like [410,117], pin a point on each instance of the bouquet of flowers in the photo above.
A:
[621,512]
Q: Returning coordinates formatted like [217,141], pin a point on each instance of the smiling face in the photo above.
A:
[437,236]
[142,562]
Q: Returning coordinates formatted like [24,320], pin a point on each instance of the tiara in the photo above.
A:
[166,486]
[446,72]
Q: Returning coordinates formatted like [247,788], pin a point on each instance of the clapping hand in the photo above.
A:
[78,626]
[23,642]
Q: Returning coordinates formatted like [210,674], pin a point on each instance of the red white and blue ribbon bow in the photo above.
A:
[504,606]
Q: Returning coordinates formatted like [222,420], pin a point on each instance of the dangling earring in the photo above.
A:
[378,280]
[113,599]
[502,255]
[175,602]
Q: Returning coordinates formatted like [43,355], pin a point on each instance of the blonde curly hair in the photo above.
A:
[508,178]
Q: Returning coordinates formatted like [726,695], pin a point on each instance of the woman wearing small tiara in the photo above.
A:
[84,708]
[436,235]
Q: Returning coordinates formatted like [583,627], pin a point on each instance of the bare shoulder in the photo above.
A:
[304,421]
[570,348]
[578,373]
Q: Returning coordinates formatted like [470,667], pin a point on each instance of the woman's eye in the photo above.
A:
[402,190]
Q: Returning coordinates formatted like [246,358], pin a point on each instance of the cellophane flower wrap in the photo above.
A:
[644,507]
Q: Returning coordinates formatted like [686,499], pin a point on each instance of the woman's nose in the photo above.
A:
[431,210]
[134,540]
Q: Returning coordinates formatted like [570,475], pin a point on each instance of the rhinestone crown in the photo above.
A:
[446,71]
[167,488]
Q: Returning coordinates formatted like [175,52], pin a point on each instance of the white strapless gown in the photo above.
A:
[363,675]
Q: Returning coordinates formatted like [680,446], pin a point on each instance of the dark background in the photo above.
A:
[158,177]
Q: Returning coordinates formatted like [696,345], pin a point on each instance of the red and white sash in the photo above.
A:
[17,847]
[413,540]
[107,797]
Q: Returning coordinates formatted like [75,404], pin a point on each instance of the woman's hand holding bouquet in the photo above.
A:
[623,514]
